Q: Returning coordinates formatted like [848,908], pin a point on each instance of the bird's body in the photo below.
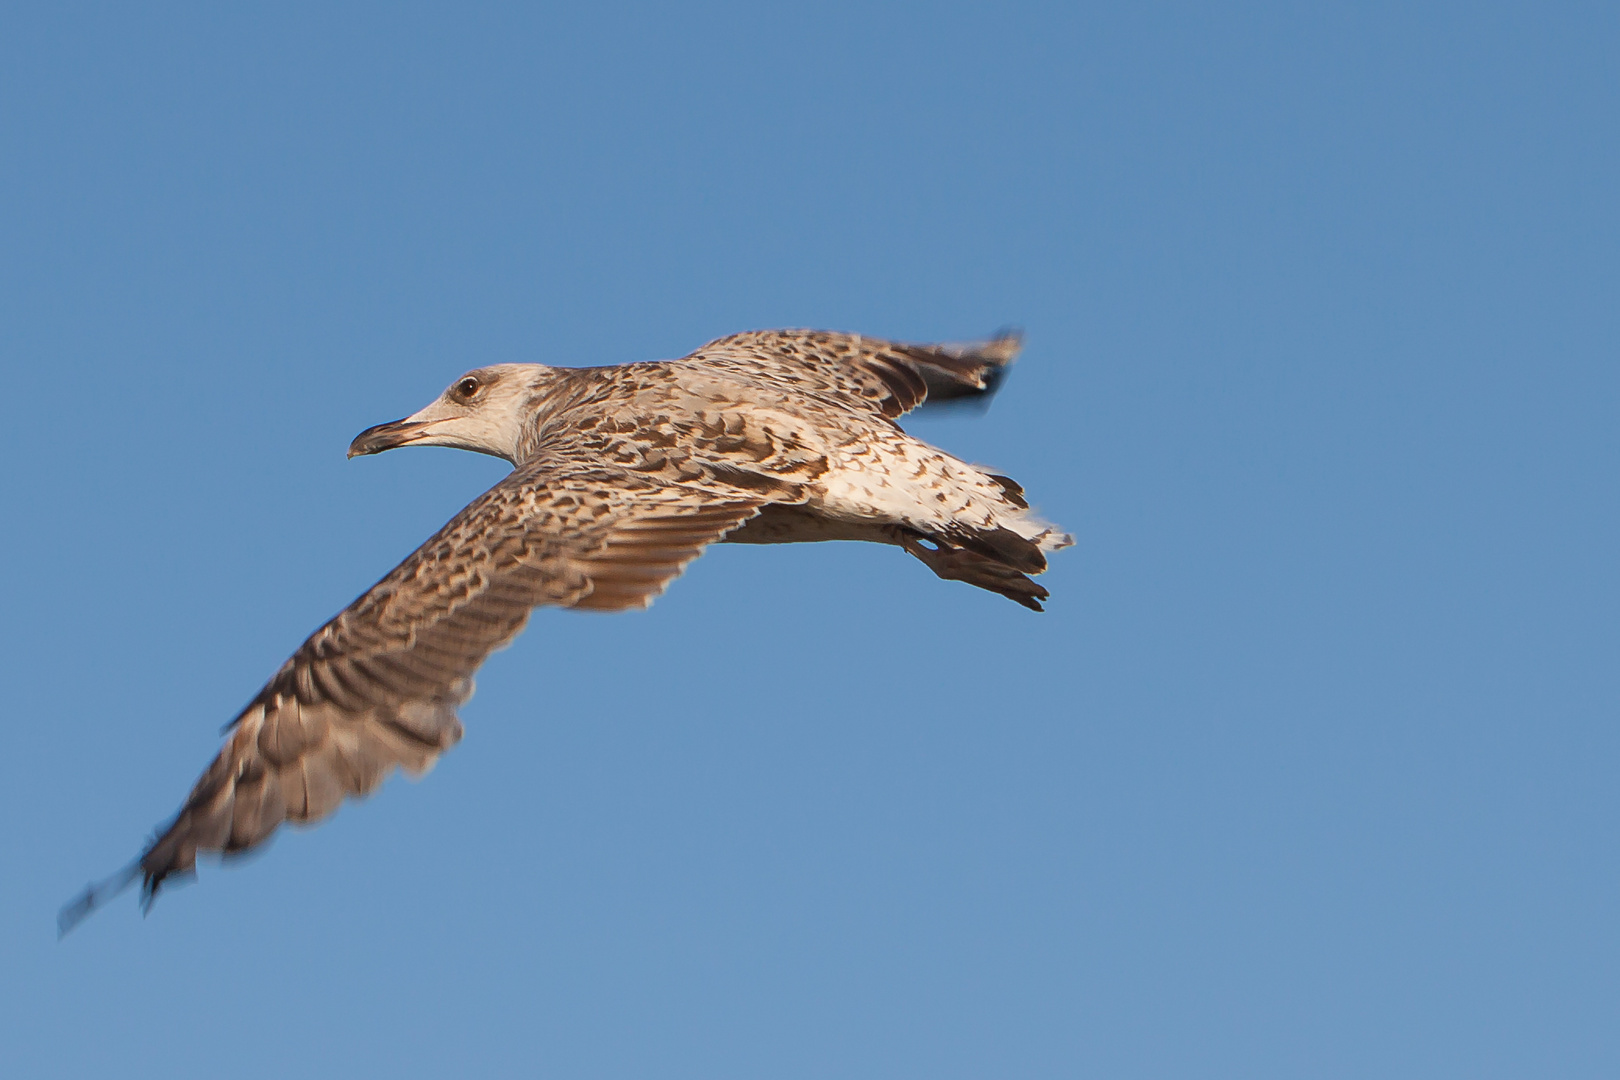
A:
[622,476]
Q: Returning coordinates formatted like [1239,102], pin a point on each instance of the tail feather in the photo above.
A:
[1011,490]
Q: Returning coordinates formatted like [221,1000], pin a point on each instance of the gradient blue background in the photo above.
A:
[1310,769]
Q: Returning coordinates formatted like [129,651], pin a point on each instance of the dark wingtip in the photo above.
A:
[84,905]
[995,354]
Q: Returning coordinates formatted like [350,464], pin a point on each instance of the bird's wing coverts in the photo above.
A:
[886,377]
[378,686]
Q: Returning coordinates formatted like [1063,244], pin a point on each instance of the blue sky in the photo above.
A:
[1308,770]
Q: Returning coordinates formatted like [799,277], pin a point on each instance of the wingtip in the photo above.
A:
[94,896]
[978,370]
[1004,345]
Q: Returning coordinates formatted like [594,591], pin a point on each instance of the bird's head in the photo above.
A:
[484,411]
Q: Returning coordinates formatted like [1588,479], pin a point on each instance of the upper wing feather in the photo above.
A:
[378,686]
[888,377]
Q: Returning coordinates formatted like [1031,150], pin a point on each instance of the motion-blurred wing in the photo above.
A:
[886,377]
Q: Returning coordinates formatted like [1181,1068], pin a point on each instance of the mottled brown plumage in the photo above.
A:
[623,475]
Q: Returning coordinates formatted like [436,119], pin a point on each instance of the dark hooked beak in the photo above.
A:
[375,440]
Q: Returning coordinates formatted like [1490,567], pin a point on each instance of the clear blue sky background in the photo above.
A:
[1310,769]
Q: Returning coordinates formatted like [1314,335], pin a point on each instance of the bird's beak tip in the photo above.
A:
[375,440]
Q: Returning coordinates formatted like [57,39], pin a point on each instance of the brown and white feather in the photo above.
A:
[623,476]
[377,687]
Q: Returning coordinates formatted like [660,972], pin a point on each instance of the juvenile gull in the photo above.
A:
[622,476]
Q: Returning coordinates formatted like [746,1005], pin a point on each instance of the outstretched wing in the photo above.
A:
[378,686]
[887,377]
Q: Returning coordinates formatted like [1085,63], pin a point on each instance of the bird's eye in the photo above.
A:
[467,387]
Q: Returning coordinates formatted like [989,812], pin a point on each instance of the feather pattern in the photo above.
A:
[623,475]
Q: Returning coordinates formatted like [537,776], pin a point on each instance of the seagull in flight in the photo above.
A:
[621,476]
